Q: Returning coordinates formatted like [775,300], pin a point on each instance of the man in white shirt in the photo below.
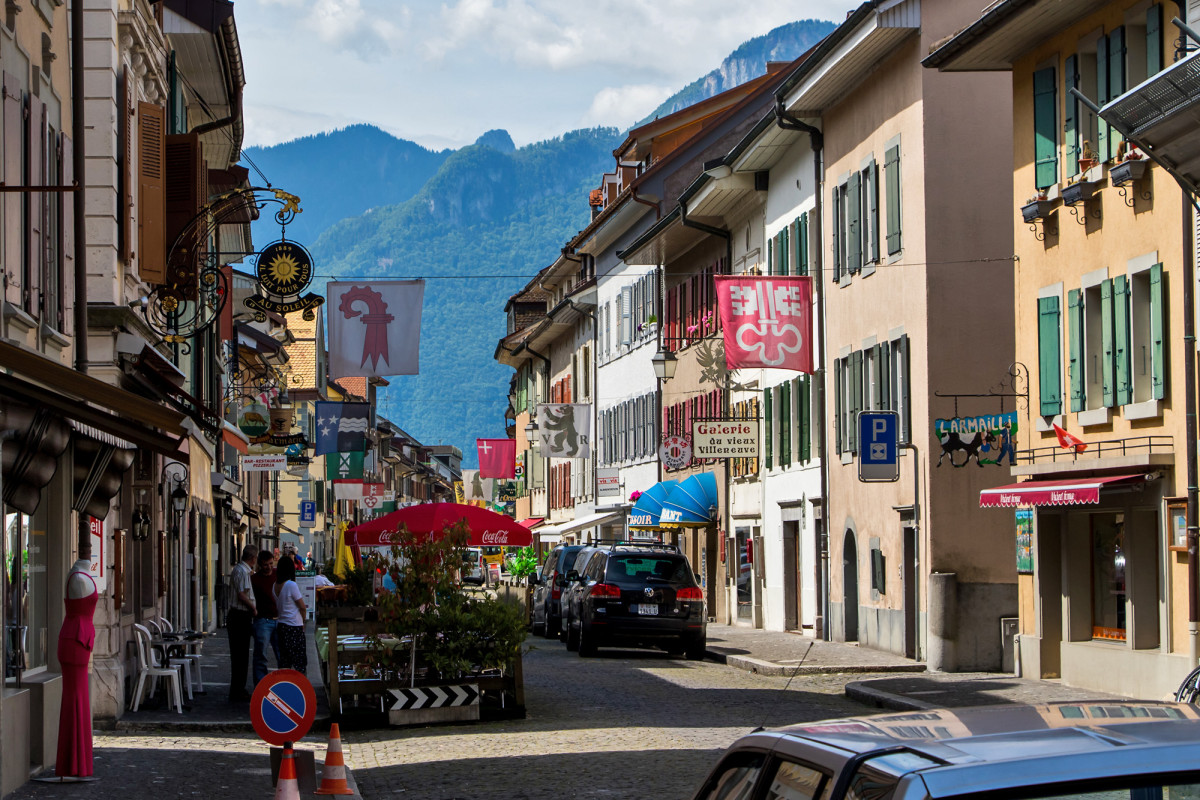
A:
[239,623]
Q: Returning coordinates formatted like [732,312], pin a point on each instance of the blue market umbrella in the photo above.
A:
[692,503]
[646,511]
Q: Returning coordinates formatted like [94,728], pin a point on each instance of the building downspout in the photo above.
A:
[788,122]
[79,165]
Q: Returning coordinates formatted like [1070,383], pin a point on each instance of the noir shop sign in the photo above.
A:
[725,438]
[284,270]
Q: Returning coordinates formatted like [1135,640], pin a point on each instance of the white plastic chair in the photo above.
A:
[187,646]
[149,667]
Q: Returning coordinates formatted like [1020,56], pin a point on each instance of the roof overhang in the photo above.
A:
[849,55]
[613,227]
[1008,30]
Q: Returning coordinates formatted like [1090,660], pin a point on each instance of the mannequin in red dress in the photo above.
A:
[75,642]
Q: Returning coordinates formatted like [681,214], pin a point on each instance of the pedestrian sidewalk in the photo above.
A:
[912,687]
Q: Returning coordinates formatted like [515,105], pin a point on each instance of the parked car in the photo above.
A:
[547,590]
[573,584]
[1073,751]
[474,568]
[642,595]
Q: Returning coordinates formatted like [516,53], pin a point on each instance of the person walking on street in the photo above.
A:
[239,622]
[293,651]
[264,620]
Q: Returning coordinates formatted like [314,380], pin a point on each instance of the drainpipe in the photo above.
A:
[788,122]
[79,165]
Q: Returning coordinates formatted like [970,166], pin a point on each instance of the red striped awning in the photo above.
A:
[1065,492]
[532,522]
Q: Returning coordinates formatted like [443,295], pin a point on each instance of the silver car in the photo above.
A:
[1067,751]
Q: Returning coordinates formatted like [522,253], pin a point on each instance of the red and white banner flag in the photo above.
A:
[767,321]
[497,458]
[374,328]
[1069,440]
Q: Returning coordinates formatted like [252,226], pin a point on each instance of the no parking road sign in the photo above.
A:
[283,707]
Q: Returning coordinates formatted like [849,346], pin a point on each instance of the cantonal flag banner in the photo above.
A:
[374,328]
[341,427]
[565,430]
[497,458]
[767,321]
[477,490]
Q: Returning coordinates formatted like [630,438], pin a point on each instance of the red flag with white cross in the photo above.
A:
[497,458]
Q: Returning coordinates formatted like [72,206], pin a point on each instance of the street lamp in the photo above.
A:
[664,363]
[531,434]
[178,475]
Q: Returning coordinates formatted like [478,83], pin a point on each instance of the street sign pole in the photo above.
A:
[878,447]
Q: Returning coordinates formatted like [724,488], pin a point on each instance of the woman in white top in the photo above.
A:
[293,651]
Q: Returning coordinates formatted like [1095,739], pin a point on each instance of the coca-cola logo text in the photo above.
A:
[494,537]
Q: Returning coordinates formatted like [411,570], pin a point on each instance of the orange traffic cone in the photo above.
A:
[287,787]
[333,774]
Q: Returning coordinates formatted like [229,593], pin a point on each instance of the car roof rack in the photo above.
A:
[656,546]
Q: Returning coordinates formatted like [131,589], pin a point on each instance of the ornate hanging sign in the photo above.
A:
[284,270]
[254,420]
[675,452]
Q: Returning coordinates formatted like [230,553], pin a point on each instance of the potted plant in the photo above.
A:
[1088,157]
[1037,207]
[1131,166]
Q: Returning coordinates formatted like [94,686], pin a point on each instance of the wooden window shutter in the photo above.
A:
[802,244]
[785,424]
[1071,145]
[1102,95]
[838,400]
[1154,41]
[1075,365]
[1116,82]
[872,207]
[1158,331]
[891,176]
[904,390]
[854,250]
[804,393]
[66,234]
[1108,345]
[836,204]
[13,176]
[856,394]
[1122,365]
[771,256]
[151,199]
[125,121]
[1045,129]
[186,185]
[35,173]
[1049,357]
[768,451]
[785,266]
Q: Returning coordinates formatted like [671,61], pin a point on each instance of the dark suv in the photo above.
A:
[642,595]
[548,587]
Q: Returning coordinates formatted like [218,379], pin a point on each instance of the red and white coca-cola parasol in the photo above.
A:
[484,527]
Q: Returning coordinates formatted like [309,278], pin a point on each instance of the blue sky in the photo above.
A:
[442,73]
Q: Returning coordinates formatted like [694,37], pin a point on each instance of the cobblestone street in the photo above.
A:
[624,724]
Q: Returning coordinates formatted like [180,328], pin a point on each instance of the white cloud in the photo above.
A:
[624,105]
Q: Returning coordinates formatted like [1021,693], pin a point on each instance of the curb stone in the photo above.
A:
[770,668]
[858,690]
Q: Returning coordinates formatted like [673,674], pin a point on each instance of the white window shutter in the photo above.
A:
[626,315]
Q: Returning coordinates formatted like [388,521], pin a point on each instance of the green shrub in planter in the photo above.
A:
[523,563]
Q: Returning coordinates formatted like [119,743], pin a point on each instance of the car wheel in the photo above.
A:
[537,628]
[550,629]
[586,642]
[572,639]
[696,649]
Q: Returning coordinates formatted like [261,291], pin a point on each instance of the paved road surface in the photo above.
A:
[625,724]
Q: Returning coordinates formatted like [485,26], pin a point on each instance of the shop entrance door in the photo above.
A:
[791,576]
[850,586]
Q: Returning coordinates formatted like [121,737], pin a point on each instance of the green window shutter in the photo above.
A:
[854,224]
[1071,144]
[1158,332]
[1116,81]
[770,427]
[804,397]
[802,244]
[784,246]
[1102,95]
[856,402]
[1049,357]
[794,247]
[891,177]
[836,234]
[1045,129]
[872,222]
[838,400]
[1075,365]
[1124,370]
[1154,42]
[771,256]
[1108,347]
[785,425]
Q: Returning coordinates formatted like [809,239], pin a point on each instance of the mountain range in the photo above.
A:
[476,223]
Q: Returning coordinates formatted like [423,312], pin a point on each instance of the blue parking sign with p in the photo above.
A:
[878,446]
[308,512]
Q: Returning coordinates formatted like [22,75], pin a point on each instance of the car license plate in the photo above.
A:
[648,609]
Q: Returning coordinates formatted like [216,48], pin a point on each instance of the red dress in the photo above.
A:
[75,642]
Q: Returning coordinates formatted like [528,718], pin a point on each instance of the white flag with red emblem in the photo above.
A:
[374,328]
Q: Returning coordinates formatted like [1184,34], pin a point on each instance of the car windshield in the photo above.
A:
[649,569]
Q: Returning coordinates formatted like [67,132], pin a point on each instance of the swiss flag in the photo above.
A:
[497,458]
[1069,440]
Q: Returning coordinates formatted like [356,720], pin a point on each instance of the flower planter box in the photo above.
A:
[1128,171]
[1037,210]
[1078,192]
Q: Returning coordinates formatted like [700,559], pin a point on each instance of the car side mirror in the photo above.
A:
[572,576]
[560,581]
